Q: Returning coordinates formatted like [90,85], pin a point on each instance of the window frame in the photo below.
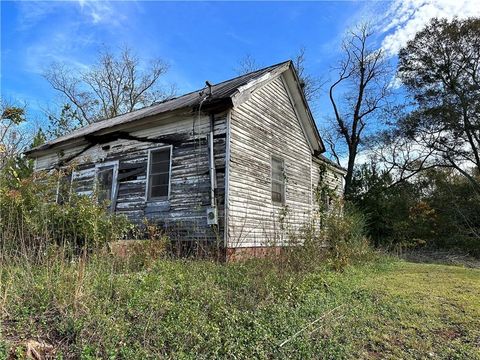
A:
[69,175]
[107,164]
[148,198]
[272,180]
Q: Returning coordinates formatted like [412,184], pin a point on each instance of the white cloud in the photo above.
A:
[95,11]
[40,55]
[56,45]
[33,12]
[101,12]
[405,18]
[67,39]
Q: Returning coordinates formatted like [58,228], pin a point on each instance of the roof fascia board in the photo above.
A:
[311,144]
[303,110]
[134,125]
[336,168]
[245,92]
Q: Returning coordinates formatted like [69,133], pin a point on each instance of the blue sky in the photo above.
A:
[200,40]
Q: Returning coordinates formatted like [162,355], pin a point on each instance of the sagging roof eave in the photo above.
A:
[224,105]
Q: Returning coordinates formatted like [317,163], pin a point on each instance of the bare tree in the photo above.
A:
[311,85]
[246,65]
[360,90]
[115,85]
[402,158]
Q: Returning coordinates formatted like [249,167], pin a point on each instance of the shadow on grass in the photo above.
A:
[442,257]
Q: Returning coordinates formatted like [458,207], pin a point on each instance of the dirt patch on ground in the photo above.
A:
[448,334]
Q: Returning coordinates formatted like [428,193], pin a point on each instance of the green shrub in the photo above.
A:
[336,236]
[140,253]
[437,209]
[31,220]
[345,231]
[98,308]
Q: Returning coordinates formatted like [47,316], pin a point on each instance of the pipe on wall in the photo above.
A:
[213,174]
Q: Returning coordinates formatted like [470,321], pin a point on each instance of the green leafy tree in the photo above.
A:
[437,208]
[440,68]
[11,136]
[15,137]
[385,206]
[39,138]
[456,207]
[65,123]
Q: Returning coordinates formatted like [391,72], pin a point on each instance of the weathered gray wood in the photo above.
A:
[267,119]
[267,125]
[190,183]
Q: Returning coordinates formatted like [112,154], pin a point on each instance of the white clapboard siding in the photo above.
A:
[265,126]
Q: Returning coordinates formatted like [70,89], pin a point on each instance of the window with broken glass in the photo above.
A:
[105,183]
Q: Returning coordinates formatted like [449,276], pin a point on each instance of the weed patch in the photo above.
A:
[255,309]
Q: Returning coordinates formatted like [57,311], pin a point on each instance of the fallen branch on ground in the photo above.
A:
[312,323]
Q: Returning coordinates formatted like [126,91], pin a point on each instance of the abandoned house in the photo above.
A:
[219,164]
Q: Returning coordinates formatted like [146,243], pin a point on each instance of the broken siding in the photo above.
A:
[184,214]
[264,126]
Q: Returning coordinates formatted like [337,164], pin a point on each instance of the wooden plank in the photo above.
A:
[263,126]
[189,178]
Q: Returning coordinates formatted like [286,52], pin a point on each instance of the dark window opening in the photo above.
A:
[159,174]
[64,188]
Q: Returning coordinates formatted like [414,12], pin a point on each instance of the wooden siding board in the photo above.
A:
[190,182]
[332,178]
[263,126]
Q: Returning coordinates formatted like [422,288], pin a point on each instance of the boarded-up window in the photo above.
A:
[278,181]
[325,201]
[159,174]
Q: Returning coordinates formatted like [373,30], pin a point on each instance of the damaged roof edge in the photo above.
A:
[221,93]
[73,140]
[221,98]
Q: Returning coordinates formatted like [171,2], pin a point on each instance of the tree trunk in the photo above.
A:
[352,154]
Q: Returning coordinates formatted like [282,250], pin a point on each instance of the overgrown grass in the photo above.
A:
[62,294]
[102,308]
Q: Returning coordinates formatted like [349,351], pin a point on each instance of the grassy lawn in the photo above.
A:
[422,311]
[383,308]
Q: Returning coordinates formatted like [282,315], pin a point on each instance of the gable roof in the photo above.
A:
[220,96]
